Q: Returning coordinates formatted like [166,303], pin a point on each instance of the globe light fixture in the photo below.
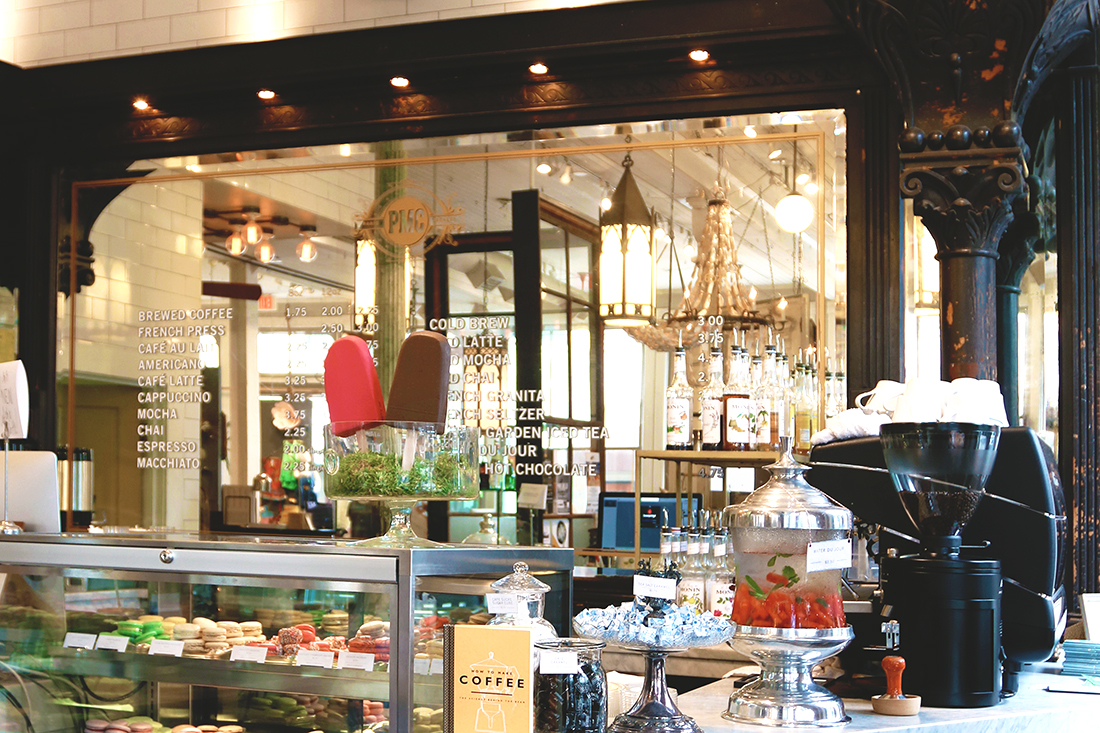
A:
[794,213]
[252,231]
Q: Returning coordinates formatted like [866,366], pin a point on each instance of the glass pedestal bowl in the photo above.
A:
[400,464]
[655,711]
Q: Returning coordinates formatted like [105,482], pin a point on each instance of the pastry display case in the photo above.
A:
[241,634]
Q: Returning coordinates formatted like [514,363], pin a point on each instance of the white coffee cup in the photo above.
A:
[976,401]
[882,399]
[922,401]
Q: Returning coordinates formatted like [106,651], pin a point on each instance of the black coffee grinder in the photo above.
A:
[945,602]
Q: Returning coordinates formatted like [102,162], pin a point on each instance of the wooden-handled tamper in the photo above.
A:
[894,702]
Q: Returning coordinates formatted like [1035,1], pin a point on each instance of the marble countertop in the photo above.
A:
[1033,708]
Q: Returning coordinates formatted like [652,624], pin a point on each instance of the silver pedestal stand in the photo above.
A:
[7,527]
[655,711]
[786,695]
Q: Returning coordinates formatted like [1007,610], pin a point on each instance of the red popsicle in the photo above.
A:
[352,389]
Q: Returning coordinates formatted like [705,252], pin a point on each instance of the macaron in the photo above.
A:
[129,628]
[185,729]
[251,628]
[231,729]
[216,646]
[117,726]
[186,631]
[236,641]
[194,646]
[96,724]
[213,633]
[141,727]
[203,622]
[175,620]
[208,728]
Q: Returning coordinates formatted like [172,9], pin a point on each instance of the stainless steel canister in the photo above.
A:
[83,483]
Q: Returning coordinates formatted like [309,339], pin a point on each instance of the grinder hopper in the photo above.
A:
[940,470]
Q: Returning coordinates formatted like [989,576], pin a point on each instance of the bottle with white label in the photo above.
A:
[720,590]
[693,586]
[710,410]
[761,433]
[678,398]
[737,405]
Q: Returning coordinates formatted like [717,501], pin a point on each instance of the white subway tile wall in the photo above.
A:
[40,32]
[148,254]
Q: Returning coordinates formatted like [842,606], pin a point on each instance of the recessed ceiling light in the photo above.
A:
[802,178]
[811,188]
[544,168]
[141,104]
[775,154]
[750,131]
[605,203]
[699,54]
[399,81]
[538,68]
[265,94]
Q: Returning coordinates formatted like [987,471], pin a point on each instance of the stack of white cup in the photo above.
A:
[965,399]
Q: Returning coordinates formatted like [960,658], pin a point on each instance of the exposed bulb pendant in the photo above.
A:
[307,248]
[252,231]
[234,244]
[265,250]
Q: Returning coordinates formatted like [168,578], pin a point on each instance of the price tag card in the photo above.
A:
[437,666]
[650,587]
[113,643]
[310,658]
[422,665]
[531,496]
[165,648]
[828,555]
[502,603]
[355,660]
[79,641]
[558,662]
[246,653]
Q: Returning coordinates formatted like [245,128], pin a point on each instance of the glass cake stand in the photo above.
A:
[655,711]
[400,464]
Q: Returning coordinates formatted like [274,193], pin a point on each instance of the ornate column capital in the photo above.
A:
[963,183]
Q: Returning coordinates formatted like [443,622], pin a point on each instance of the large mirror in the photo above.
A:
[194,362]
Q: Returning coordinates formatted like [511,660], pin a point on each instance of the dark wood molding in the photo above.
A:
[876,288]
[949,61]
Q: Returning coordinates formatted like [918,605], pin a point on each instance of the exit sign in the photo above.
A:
[266,302]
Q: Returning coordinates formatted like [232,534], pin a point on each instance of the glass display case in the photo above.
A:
[240,633]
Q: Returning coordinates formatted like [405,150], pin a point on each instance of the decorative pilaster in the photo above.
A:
[963,184]
[1078,220]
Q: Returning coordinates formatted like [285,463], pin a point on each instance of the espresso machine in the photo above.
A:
[971,540]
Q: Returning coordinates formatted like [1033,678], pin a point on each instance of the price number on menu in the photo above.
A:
[296,312]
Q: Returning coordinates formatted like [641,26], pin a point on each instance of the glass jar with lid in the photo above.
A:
[789,544]
[571,687]
[530,594]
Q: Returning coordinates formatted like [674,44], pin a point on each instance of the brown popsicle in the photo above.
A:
[894,702]
[418,392]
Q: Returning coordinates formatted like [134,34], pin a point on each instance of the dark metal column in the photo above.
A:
[1016,254]
[1078,147]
